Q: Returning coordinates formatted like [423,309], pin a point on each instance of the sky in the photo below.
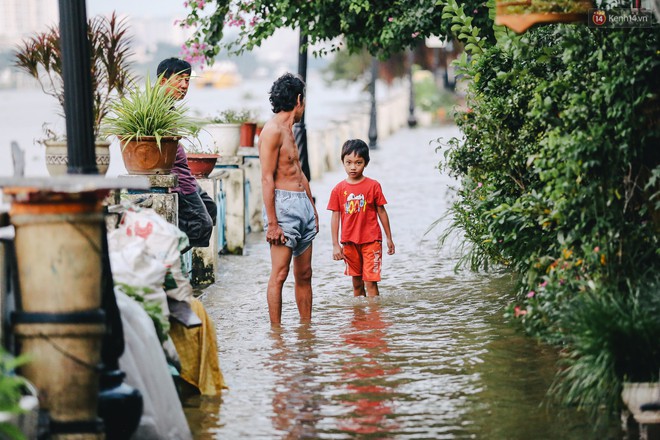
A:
[144,8]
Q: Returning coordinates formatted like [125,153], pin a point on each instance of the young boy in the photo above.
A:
[358,203]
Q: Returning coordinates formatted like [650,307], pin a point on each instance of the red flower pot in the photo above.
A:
[201,164]
[248,131]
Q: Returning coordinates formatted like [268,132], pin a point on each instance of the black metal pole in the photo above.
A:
[373,124]
[76,73]
[300,131]
[412,120]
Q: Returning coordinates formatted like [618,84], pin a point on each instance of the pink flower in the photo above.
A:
[185,4]
[517,312]
[479,185]
[543,284]
[414,34]
[390,19]
[531,294]
[597,249]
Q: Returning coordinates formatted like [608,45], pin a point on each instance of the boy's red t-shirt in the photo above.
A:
[357,204]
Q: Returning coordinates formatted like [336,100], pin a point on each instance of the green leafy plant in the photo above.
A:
[558,170]
[152,308]
[12,388]
[149,111]
[612,338]
[232,116]
[382,28]
[40,56]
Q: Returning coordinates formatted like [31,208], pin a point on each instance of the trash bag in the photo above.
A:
[145,251]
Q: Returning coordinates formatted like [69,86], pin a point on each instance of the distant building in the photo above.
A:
[19,18]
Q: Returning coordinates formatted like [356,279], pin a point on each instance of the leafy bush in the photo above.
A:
[559,181]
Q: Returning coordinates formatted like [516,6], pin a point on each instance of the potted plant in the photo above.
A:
[40,56]
[248,128]
[520,15]
[149,123]
[225,130]
[19,405]
[200,161]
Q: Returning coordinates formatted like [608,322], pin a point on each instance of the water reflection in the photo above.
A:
[203,414]
[369,395]
[295,397]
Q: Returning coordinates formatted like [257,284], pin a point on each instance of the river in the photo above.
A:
[431,358]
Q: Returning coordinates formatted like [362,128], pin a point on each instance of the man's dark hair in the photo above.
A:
[357,146]
[285,91]
[173,66]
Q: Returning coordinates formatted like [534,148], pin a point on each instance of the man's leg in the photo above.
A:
[194,219]
[358,286]
[209,203]
[280,257]
[302,272]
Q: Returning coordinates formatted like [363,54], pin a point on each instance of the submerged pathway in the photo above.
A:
[430,359]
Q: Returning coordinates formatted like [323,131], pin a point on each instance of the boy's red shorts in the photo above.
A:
[363,260]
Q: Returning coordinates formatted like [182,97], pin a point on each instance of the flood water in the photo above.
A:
[431,358]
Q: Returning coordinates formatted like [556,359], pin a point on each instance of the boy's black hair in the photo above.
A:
[285,91]
[357,146]
[173,66]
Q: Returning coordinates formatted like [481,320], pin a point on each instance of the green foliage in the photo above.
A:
[611,338]
[149,111]
[231,116]
[347,66]
[383,28]
[40,56]
[559,171]
[152,308]
[12,388]
[428,96]
[11,385]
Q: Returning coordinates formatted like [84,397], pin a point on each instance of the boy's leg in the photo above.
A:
[358,286]
[372,288]
[371,265]
[302,273]
[280,257]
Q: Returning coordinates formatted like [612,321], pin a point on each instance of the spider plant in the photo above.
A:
[148,111]
[40,56]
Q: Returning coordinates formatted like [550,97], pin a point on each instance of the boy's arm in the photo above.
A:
[337,251]
[385,221]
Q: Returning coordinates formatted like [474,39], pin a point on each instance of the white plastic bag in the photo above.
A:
[146,369]
[158,248]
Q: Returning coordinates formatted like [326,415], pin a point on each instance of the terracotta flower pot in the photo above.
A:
[201,164]
[248,132]
[142,156]
[520,22]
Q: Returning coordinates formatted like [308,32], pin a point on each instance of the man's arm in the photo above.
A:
[337,251]
[305,183]
[385,221]
[269,150]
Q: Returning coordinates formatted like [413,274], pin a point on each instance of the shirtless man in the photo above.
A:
[289,211]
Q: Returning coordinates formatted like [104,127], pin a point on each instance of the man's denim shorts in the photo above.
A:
[295,215]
